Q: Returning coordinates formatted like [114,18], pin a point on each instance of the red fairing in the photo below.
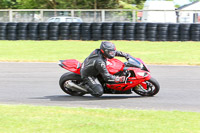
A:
[143,63]
[114,65]
[140,78]
[140,74]
[72,65]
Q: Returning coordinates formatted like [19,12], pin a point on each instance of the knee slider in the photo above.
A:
[97,88]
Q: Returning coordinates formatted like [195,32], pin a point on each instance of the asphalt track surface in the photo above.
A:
[37,84]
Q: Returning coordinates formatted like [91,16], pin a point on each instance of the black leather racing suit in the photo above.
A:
[94,65]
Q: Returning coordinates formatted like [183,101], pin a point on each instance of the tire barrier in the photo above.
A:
[53,31]
[129,31]
[64,29]
[99,31]
[3,31]
[173,32]
[43,31]
[162,32]
[184,31]
[140,31]
[195,32]
[96,31]
[107,31]
[22,31]
[75,31]
[151,31]
[32,31]
[85,31]
[118,31]
[11,31]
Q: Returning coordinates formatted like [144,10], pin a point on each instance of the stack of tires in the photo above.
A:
[75,30]
[96,31]
[3,31]
[86,31]
[118,30]
[184,31]
[140,31]
[129,31]
[162,32]
[33,31]
[11,31]
[64,31]
[53,31]
[107,29]
[195,32]
[99,31]
[173,32]
[43,31]
[151,32]
[22,31]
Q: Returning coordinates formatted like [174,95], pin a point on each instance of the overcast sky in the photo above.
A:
[181,2]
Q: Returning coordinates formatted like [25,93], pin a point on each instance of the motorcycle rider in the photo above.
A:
[95,64]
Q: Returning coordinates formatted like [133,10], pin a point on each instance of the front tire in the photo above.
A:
[153,88]
[70,77]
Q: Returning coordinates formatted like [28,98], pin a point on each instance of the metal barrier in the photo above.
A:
[41,15]
[99,15]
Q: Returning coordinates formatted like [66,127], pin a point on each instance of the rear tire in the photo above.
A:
[153,88]
[70,77]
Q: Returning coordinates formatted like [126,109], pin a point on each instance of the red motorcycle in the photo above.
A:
[138,78]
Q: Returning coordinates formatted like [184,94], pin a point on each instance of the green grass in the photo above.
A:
[28,119]
[179,53]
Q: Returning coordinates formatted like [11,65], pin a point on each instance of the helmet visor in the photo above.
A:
[112,53]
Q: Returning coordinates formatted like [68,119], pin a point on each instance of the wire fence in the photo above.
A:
[114,15]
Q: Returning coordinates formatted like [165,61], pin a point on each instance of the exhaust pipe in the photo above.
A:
[74,87]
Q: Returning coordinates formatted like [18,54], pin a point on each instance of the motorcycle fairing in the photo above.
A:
[143,64]
[114,66]
[140,78]
[139,74]
[72,65]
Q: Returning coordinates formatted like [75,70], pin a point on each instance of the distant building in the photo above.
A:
[186,16]
[159,11]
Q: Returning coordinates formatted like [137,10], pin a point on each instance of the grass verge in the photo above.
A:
[175,53]
[24,118]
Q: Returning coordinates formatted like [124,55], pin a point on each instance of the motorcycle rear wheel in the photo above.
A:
[153,88]
[66,77]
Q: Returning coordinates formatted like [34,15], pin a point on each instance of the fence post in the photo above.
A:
[195,19]
[10,15]
[133,16]
[42,15]
[165,16]
[95,16]
[72,13]
[103,15]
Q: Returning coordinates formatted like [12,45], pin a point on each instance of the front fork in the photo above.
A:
[129,74]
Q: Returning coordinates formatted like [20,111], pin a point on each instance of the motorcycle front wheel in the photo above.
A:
[152,89]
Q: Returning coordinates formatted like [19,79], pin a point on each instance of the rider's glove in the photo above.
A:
[120,79]
[127,56]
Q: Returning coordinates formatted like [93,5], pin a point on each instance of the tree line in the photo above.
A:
[71,4]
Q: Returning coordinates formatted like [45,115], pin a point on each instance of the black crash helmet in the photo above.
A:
[108,49]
